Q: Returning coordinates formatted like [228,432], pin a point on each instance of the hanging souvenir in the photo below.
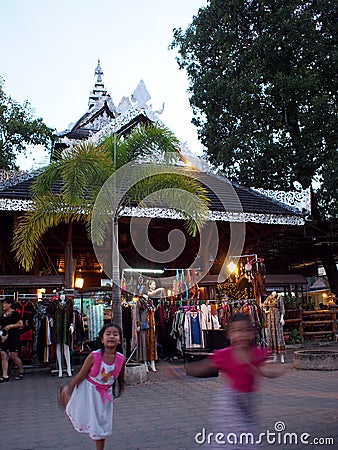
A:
[140,285]
[123,284]
[248,267]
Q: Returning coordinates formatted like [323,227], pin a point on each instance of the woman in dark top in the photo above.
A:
[10,322]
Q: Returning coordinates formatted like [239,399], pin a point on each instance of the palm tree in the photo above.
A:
[85,171]
[62,193]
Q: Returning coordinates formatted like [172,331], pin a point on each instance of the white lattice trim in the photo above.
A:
[10,204]
[274,219]
[13,177]
[115,125]
[299,200]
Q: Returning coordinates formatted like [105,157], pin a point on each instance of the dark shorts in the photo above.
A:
[10,345]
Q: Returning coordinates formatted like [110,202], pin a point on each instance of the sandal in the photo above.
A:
[2,379]
[19,376]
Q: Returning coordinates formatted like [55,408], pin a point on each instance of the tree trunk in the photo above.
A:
[116,290]
[330,267]
[69,263]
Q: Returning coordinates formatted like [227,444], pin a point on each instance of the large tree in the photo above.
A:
[263,85]
[19,129]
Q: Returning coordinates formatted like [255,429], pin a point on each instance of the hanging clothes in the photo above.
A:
[274,308]
[193,336]
[164,316]
[177,331]
[146,342]
[206,319]
[95,319]
[26,310]
[62,313]
[79,331]
[42,342]
[127,325]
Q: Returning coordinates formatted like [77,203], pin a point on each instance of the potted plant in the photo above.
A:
[294,337]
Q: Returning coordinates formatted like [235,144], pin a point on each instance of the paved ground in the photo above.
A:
[167,411]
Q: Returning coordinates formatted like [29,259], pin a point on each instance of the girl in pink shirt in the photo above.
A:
[241,364]
[88,398]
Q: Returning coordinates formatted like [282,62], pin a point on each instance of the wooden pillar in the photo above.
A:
[300,312]
[69,262]
[334,321]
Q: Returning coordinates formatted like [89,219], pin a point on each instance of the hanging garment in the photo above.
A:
[192,330]
[206,320]
[42,331]
[62,313]
[95,318]
[274,308]
[196,338]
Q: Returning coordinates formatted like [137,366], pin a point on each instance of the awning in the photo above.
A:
[281,280]
[30,281]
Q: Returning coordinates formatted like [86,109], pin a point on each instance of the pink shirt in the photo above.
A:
[241,376]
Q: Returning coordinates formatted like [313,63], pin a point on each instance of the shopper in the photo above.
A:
[241,364]
[88,398]
[10,325]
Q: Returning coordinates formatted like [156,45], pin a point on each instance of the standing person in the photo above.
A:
[11,324]
[274,309]
[153,291]
[241,364]
[88,397]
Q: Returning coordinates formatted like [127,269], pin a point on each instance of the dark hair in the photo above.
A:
[241,317]
[119,348]
[9,301]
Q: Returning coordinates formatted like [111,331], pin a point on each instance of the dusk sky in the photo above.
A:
[50,51]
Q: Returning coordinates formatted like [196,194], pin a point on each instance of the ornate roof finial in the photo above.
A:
[98,72]
[99,90]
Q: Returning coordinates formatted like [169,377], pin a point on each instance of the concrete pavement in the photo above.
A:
[166,412]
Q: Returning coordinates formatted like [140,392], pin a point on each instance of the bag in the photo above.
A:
[144,325]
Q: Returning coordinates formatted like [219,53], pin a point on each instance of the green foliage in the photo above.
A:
[18,129]
[291,302]
[309,305]
[146,141]
[48,212]
[294,337]
[67,189]
[263,85]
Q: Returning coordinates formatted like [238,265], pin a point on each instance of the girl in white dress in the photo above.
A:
[88,398]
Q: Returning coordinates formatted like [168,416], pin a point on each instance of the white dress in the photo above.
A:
[89,408]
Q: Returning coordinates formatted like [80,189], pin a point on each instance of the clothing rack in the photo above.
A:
[242,256]
[242,301]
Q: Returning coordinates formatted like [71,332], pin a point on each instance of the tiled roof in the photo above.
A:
[225,198]
[223,192]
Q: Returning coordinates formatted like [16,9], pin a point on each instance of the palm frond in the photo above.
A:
[46,180]
[112,145]
[76,172]
[148,140]
[88,167]
[48,212]
[152,185]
